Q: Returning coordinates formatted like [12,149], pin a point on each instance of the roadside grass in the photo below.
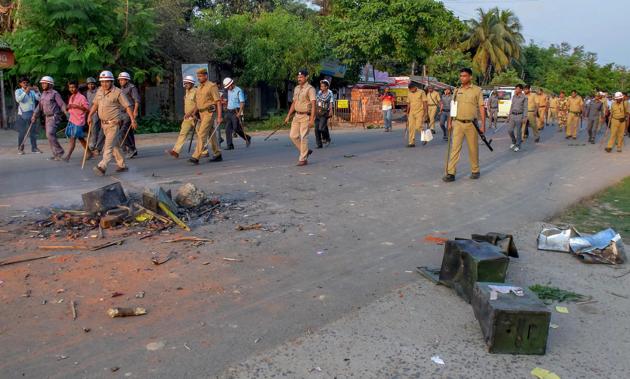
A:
[608,208]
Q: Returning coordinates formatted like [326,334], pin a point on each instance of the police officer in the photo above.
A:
[190,116]
[563,111]
[593,113]
[618,118]
[303,106]
[52,106]
[532,111]
[542,101]
[433,102]
[553,110]
[416,111]
[469,102]
[493,109]
[516,117]
[207,101]
[445,111]
[575,105]
[131,91]
[107,104]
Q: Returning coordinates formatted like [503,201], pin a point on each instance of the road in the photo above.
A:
[343,233]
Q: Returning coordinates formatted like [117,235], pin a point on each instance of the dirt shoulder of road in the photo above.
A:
[397,335]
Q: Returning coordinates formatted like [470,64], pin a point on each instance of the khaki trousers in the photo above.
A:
[460,131]
[203,132]
[617,129]
[540,121]
[299,134]
[414,124]
[573,122]
[432,112]
[188,126]
[531,123]
[553,115]
[112,145]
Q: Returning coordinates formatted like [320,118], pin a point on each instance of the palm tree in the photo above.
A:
[494,41]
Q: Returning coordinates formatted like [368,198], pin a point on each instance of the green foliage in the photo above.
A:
[273,122]
[494,41]
[157,124]
[71,39]
[445,65]
[555,294]
[388,32]
[266,47]
[507,78]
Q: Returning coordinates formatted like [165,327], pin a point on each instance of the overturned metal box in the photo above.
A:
[503,241]
[104,198]
[511,324]
[466,262]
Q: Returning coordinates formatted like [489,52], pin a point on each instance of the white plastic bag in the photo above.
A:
[426,136]
[453,108]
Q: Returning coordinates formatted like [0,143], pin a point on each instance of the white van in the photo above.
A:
[505,100]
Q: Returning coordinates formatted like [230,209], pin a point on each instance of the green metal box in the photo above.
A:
[466,262]
[511,324]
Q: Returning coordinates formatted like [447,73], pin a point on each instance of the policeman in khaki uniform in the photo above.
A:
[433,102]
[618,118]
[207,101]
[576,105]
[417,108]
[563,111]
[107,103]
[543,103]
[190,119]
[469,102]
[303,106]
[553,110]
[532,112]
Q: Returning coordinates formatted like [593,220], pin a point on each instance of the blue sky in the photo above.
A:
[600,26]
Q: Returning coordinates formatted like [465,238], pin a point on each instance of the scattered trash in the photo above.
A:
[142,217]
[114,369]
[192,239]
[172,216]
[257,340]
[495,290]
[437,359]
[104,198]
[232,259]
[156,260]
[541,373]
[321,252]
[140,295]
[108,244]
[61,357]
[554,326]
[87,330]
[189,196]
[349,156]
[605,247]
[73,306]
[556,294]
[436,240]
[116,294]
[125,312]
[256,226]
[560,309]
[187,347]
[153,346]
[318,369]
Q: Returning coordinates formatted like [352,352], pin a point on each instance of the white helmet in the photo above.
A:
[47,79]
[105,76]
[618,95]
[124,75]
[189,79]
[227,82]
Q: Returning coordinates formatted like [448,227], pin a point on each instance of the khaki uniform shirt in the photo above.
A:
[532,102]
[575,104]
[618,111]
[108,103]
[541,100]
[553,103]
[302,97]
[415,101]
[206,96]
[468,99]
[433,98]
[189,100]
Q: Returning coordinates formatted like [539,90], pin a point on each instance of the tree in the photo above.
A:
[385,31]
[508,77]
[494,41]
[446,64]
[70,39]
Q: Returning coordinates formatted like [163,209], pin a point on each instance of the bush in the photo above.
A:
[156,124]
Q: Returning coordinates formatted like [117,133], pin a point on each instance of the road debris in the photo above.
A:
[541,373]
[605,247]
[104,198]
[61,357]
[189,196]
[232,259]
[435,240]
[156,259]
[108,244]
[256,226]
[191,239]
[561,309]
[73,306]
[548,293]
[117,294]
[436,359]
[126,312]
[153,346]
[172,216]
[140,295]
[22,260]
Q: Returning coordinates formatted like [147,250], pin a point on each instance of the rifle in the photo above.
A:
[482,135]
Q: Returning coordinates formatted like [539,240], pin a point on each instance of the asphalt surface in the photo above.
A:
[353,224]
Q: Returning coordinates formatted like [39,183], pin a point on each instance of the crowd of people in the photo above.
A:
[103,118]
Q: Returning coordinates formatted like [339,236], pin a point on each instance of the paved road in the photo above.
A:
[366,203]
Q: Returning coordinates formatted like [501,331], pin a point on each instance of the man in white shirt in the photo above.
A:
[27,98]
